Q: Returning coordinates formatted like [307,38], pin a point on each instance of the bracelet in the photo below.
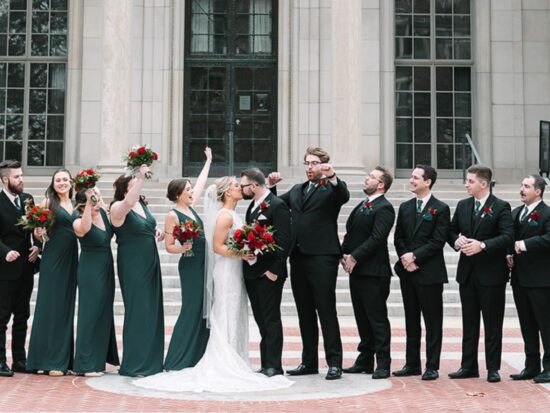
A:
[333,175]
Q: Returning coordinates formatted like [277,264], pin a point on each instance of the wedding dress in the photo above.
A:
[224,366]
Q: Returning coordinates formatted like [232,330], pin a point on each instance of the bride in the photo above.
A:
[224,366]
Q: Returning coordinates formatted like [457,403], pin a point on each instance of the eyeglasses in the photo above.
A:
[244,186]
[371,176]
[312,163]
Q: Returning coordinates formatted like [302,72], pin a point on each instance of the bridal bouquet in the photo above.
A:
[186,232]
[36,217]
[86,179]
[140,155]
[252,239]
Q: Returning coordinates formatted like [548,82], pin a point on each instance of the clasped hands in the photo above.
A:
[468,246]
[408,260]
[348,263]
[33,254]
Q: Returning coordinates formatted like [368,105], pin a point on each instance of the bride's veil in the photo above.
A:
[211,208]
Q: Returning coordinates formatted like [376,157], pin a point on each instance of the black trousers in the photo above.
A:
[368,296]
[490,301]
[313,281]
[15,296]
[424,301]
[532,305]
[265,299]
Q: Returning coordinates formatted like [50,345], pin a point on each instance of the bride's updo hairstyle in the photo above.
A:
[222,185]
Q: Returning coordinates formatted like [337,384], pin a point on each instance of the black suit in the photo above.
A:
[366,239]
[531,284]
[315,251]
[16,278]
[424,235]
[265,295]
[483,277]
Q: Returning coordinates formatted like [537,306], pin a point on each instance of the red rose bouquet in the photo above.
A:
[86,179]
[140,155]
[36,217]
[186,232]
[252,239]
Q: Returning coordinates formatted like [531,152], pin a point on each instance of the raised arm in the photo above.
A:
[203,176]
[120,209]
[83,224]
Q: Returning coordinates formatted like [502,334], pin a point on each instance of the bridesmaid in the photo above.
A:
[140,278]
[52,336]
[95,333]
[190,334]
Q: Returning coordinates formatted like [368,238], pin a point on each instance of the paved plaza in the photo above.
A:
[309,394]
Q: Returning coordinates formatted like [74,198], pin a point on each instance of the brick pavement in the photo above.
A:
[40,393]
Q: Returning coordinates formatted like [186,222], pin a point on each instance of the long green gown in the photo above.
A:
[95,333]
[190,335]
[140,281]
[52,336]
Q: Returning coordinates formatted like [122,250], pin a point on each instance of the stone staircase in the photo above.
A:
[447,191]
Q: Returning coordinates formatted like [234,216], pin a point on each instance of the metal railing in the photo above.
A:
[468,141]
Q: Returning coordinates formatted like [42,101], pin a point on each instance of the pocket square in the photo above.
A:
[262,216]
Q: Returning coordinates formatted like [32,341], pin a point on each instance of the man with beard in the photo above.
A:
[529,262]
[265,277]
[366,260]
[18,260]
[421,232]
[315,253]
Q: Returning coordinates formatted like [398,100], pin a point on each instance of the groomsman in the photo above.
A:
[18,258]
[530,262]
[265,277]
[314,258]
[482,230]
[421,232]
[367,260]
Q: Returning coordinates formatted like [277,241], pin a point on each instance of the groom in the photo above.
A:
[265,277]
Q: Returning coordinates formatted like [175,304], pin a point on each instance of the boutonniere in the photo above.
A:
[533,218]
[430,214]
[264,205]
[366,208]
[322,184]
[487,212]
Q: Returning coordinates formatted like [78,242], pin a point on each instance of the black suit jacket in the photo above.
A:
[425,236]
[276,214]
[495,229]
[14,238]
[532,267]
[366,238]
[315,218]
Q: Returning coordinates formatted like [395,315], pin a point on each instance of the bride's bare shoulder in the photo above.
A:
[224,219]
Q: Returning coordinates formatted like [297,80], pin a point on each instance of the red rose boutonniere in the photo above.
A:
[366,208]
[263,206]
[322,184]
[533,218]
[430,214]
[487,212]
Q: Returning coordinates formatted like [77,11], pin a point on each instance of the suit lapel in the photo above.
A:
[9,206]
[524,226]
[248,213]
[420,219]
[488,204]
[310,193]
[257,212]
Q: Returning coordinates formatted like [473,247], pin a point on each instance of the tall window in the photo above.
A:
[433,101]
[33,61]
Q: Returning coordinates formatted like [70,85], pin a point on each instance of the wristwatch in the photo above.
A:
[483,246]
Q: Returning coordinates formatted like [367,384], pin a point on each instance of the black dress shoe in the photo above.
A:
[334,373]
[302,370]
[260,370]
[525,375]
[381,374]
[464,374]
[5,371]
[21,367]
[408,371]
[271,371]
[493,376]
[430,374]
[543,377]
[359,369]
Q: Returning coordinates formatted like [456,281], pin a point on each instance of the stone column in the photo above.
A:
[116,78]
[346,146]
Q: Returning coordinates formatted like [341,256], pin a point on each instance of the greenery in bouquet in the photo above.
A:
[140,155]
[36,217]
[252,239]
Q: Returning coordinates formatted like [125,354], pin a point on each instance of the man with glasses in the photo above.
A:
[314,256]
[421,232]
[367,261]
[18,258]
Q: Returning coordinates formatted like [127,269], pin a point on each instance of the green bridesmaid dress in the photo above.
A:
[140,281]
[52,336]
[95,333]
[190,335]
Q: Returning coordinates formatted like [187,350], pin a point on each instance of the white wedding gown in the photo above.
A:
[224,366]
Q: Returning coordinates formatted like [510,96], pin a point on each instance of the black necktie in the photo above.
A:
[524,215]
[17,203]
